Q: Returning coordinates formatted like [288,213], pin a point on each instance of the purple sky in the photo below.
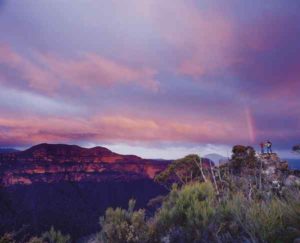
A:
[156,78]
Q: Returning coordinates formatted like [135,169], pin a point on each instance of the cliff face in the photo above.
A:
[269,173]
[272,166]
[70,187]
[63,153]
[50,163]
[277,171]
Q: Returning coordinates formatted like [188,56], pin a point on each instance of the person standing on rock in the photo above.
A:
[269,147]
[262,147]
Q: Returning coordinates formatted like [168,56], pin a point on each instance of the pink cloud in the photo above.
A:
[201,37]
[91,70]
[269,57]
[31,74]
[191,68]
[111,128]
[48,73]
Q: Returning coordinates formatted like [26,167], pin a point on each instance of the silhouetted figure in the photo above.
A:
[269,147]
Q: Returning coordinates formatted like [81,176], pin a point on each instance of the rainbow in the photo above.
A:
[250,125]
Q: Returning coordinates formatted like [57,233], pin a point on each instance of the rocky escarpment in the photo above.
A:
[265,172]
[76,172]
[70,187]
[277,173]
[50,163]
[272,166]
[53,163]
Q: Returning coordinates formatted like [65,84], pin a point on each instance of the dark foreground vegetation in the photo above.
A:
[194,213]
[71,207]
[251,198]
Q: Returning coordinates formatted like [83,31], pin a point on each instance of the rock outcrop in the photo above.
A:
[50,163]
[275,172]
[292,180]
[262,171]
[273,167]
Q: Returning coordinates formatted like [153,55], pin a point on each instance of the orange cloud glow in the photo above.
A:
[48,73]
[112,128]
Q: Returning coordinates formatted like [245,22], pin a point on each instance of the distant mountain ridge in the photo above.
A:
[52,163]
[8,150]
[71,153]
[216,158]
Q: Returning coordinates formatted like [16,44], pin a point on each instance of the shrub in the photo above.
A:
[36,240]
[243,156]
[260,221]
[53,236]
[192,213]
[182,171]
[296,148]
[7,238]
[119,225]
[186,214]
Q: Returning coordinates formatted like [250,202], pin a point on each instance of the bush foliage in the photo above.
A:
[120,225]
[195,210]
[183,171]
[199,209]
[50,236]
[194,213]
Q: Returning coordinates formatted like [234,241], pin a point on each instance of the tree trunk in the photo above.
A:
[201,169]
[214,178]
[260,171]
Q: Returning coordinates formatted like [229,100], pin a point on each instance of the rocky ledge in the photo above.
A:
[58,162]
[277,170]
[50,163]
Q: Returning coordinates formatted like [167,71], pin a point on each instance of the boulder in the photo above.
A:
[292,180]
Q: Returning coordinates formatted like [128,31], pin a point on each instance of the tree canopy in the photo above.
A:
[296,148]
[182,171]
